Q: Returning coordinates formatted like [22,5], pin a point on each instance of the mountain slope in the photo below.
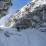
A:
[31,15]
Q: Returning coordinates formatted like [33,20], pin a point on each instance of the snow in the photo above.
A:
[27,37]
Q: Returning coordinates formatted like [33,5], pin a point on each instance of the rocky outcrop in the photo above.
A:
[4,7]
[31,15]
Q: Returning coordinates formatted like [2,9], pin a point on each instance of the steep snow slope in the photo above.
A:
[28,37]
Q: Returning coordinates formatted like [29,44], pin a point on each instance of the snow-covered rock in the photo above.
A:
[31,15]
[4,7]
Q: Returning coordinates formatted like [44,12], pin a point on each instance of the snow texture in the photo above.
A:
[28,37]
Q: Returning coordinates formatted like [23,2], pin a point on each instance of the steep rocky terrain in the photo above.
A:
[31,15]
[4,7]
